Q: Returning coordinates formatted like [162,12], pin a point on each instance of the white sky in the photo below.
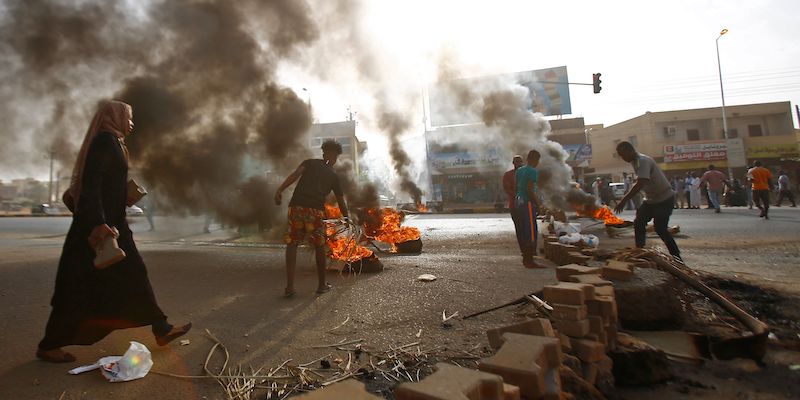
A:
[653,56]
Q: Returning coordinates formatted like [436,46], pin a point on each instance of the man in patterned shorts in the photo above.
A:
[307,210]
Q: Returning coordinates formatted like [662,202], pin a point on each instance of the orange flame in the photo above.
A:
[390,230]
[421,208]
[341,248]
[607,216]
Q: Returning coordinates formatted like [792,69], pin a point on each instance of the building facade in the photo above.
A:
[689,140]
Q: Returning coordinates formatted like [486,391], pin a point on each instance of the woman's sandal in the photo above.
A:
[54,356]
[175,333]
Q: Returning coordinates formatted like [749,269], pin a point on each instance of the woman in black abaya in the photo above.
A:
[90,303]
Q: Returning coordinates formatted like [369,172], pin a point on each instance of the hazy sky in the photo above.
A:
[653,56]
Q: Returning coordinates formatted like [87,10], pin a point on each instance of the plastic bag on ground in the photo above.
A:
[134,364]
[590,240]
[570,238]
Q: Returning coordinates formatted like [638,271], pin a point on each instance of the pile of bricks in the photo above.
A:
[526,365]
[562,254]
[585,314]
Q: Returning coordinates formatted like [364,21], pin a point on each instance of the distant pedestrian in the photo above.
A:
[89,303]
[307,210]
[659,198]
[627,184]
[596,188]
[784,190]
[527,203]
[715,181]
[687,189]
[695,191]
[678,186]
[762,185]
[510,187]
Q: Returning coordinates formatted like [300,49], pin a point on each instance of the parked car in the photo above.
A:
[617,189]
[133,211]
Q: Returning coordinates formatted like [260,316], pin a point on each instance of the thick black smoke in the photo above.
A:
[200,76]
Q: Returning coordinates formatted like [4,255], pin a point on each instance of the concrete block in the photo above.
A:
[536,327]
[577,257]
[347,389]
[588,350]
[564,272]
[510,392]
[593,279]
[607,291]
[589,372]
[618,271]
[553,385]
[611,336]
[596,326]
[566,342]
[452,382]
[574,329]
[568,293]
[525,361]
[572,313]
[602,306]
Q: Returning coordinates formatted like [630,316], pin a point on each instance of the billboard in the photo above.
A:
[707,151]
[578,153]
[548,91]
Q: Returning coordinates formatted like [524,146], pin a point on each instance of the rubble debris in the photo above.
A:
[426,278]
[648,301]
[347,389]
[448,381]
[536,327]
[636,363]
[528,362]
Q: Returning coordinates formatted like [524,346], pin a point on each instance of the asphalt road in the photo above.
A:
[234,290]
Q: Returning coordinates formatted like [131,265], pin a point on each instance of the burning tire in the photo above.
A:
[369,264]
[410,247]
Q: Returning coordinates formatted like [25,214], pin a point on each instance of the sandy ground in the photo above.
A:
[234,292]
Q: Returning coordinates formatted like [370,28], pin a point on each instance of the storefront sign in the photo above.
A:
[707,151]
[577,153]
[773,151]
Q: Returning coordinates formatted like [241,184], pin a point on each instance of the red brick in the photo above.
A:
[452,382]
[572,328]
[553,386]
[572,313]
[347,389]
[524,361]
[564,272]
[588,350]
[566,342]
[592,279]
[537,327]
[568,293]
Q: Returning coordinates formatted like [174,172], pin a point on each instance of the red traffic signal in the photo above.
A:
[596,82]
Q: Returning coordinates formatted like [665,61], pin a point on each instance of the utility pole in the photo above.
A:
[51,154]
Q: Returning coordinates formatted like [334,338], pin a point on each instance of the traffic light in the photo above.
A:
[596,82]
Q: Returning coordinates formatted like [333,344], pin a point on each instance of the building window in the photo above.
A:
[755,130]
[733,133]
[692,134]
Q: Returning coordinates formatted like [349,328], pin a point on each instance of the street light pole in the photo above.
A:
[724,117]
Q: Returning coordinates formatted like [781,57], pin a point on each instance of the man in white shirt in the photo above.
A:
[659,198]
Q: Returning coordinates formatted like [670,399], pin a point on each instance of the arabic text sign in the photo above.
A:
[707,151]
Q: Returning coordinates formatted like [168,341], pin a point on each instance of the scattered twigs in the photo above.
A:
[337,345]
[340,325]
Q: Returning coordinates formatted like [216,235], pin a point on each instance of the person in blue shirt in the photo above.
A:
[526,204]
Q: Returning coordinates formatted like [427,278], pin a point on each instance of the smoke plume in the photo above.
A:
[200,76]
